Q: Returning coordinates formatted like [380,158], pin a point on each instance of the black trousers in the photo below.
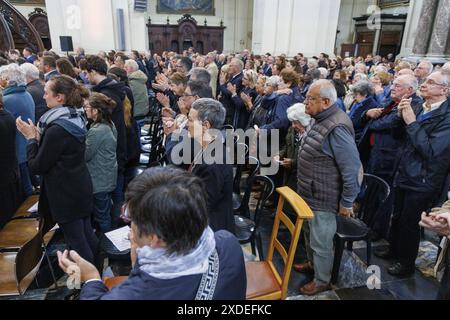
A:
[80,237]
[405,229]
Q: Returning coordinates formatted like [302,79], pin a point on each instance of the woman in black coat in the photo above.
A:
[56,152]
[243,111]
[10,189]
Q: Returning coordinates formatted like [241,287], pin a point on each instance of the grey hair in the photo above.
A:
[429,65]
[13,74]
[446,69]
[411,81]
[30,70]
[274,81]
[133,64]
[327,90]
[313,64]
[239,63]
[210,110]
[363,88]
[201,74]
[362,76]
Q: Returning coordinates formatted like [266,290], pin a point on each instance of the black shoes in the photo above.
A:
[399,270]
[383,253]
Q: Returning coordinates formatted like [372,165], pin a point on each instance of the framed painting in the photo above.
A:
[28,2]
[391,3]
[199,7]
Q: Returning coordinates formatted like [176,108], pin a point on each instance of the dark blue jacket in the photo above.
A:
[380,159]
[242,114]
[19,103]
[226,99]
[424,164]
[356,113]
[231,283]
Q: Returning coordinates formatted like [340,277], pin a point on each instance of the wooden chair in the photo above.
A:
[263,280]
[18,270]
[17,233]
[22,212]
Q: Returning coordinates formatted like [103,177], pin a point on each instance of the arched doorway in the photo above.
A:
[38,18]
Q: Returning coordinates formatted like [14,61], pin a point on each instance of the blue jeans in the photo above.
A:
[118,198]
[25,178]
[102,211]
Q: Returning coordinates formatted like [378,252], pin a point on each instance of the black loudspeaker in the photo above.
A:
[66,44]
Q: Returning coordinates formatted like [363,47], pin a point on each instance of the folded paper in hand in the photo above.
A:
[120,238]
[34,208]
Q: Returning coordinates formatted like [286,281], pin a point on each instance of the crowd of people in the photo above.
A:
[70,128]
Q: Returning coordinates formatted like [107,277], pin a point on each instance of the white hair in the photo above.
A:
[30,70]
[446,69]
[13,74]
[429,65]
[379,69]
[297,113]
[313,64]
[327,90]
[133,64]
[274,81]
[410,81]
[324,73]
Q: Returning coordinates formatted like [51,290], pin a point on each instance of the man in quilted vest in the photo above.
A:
[330,175]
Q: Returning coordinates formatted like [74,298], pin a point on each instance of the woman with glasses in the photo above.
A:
[100,156]
[56,151]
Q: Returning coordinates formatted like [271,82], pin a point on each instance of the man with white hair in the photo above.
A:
[378,146]
[329,178]
[422,170]
[138,85]
[35,88]
[19,103]
[423,70]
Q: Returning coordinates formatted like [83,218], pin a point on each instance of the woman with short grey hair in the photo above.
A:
[363,93]
[210,162]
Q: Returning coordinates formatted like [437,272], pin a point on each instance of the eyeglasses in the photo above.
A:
[188,95]
[309,98]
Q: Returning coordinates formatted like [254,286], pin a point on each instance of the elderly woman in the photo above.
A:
[242,110]
[364,101]
[257,113]
[10,189]
[206,118]
[19,103]
[174,254]
[301,123]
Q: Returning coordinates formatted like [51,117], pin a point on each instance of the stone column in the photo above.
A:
[425,27]
[439,38]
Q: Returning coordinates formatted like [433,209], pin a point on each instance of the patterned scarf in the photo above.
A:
[156,263]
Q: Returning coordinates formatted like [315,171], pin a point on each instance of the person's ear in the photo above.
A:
[207,125]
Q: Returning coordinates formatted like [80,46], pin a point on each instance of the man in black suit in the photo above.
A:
[49,68]
[235,70]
